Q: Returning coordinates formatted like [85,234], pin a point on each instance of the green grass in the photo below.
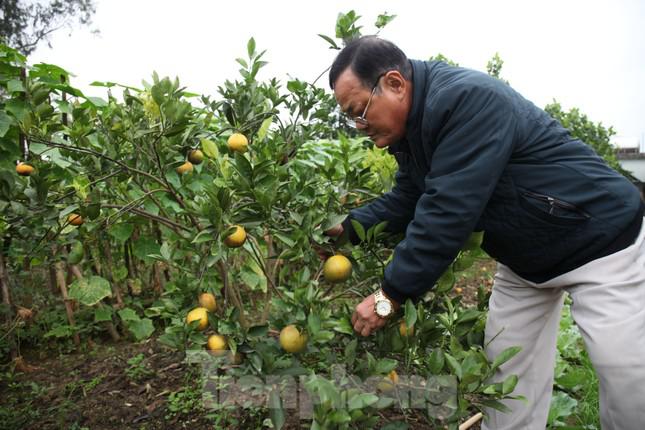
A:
[575,392]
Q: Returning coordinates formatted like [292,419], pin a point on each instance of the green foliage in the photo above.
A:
[575,396]
[137,369]
[441,57]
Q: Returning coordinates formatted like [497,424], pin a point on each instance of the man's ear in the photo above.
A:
[395,81]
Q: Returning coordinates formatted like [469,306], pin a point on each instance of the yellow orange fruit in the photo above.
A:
[404,331]
[337,269]
[200,314]
[238,142]
[75,219]
[217,344]
[24,169]
[237,238]
[459,290]
[207,300]
[291,340]
[196,156]
[185,168]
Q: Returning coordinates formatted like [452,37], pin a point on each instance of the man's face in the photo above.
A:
[389,103]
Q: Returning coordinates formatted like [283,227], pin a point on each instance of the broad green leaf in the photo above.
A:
[97,101]
[474,241]
[122,231]
[209,148]
[410,313]
[359,229]
[562,406]
[145,246]
[5,123]
[141,329]
[102,313]
[454,365]
[258,330]
[313,323]
[264,129]
[60,331]
[496,404]
[250,47]
[361,401]
[276,412]
[128,314]
[385,365]
[446,281]
[504,356]
[436,361]
[90,291]
[509,384]
[332,43]
[14,85]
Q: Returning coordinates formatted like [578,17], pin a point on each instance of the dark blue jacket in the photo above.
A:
[478,156]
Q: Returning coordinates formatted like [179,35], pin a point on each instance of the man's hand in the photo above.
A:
[364,319]
[335,231]
[325,252]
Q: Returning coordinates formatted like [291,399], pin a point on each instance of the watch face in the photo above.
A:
[383,308]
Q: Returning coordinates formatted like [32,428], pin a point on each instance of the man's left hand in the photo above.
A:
[364,319]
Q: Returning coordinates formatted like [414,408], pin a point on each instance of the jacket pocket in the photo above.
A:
[551,209]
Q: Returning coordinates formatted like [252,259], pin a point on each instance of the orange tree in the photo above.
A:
[155,228]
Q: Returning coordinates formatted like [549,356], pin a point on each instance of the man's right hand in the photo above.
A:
[335,231]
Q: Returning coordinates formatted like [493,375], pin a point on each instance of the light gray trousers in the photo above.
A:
[608,307]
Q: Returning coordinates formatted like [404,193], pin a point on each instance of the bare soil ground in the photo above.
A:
[92,389]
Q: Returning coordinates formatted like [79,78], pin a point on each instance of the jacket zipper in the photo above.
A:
[555,203]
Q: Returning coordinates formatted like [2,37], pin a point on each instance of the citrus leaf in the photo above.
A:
[90,291]
[209,147]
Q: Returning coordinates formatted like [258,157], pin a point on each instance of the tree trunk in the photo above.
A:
[159,282]
[52,279]
[116,290]
[60,279]
[6,299]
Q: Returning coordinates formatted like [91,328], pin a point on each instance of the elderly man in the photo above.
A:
[474,155]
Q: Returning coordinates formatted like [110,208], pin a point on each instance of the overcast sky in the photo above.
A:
[586,54]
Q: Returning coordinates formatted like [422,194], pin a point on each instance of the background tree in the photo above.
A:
[24,24]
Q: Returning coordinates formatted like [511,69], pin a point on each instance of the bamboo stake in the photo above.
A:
[471,421]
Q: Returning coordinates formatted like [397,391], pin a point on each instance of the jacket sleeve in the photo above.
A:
[396,207]
[473,127]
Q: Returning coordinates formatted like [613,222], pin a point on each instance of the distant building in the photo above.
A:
[631,155]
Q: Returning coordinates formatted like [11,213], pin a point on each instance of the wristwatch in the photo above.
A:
[383,306]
